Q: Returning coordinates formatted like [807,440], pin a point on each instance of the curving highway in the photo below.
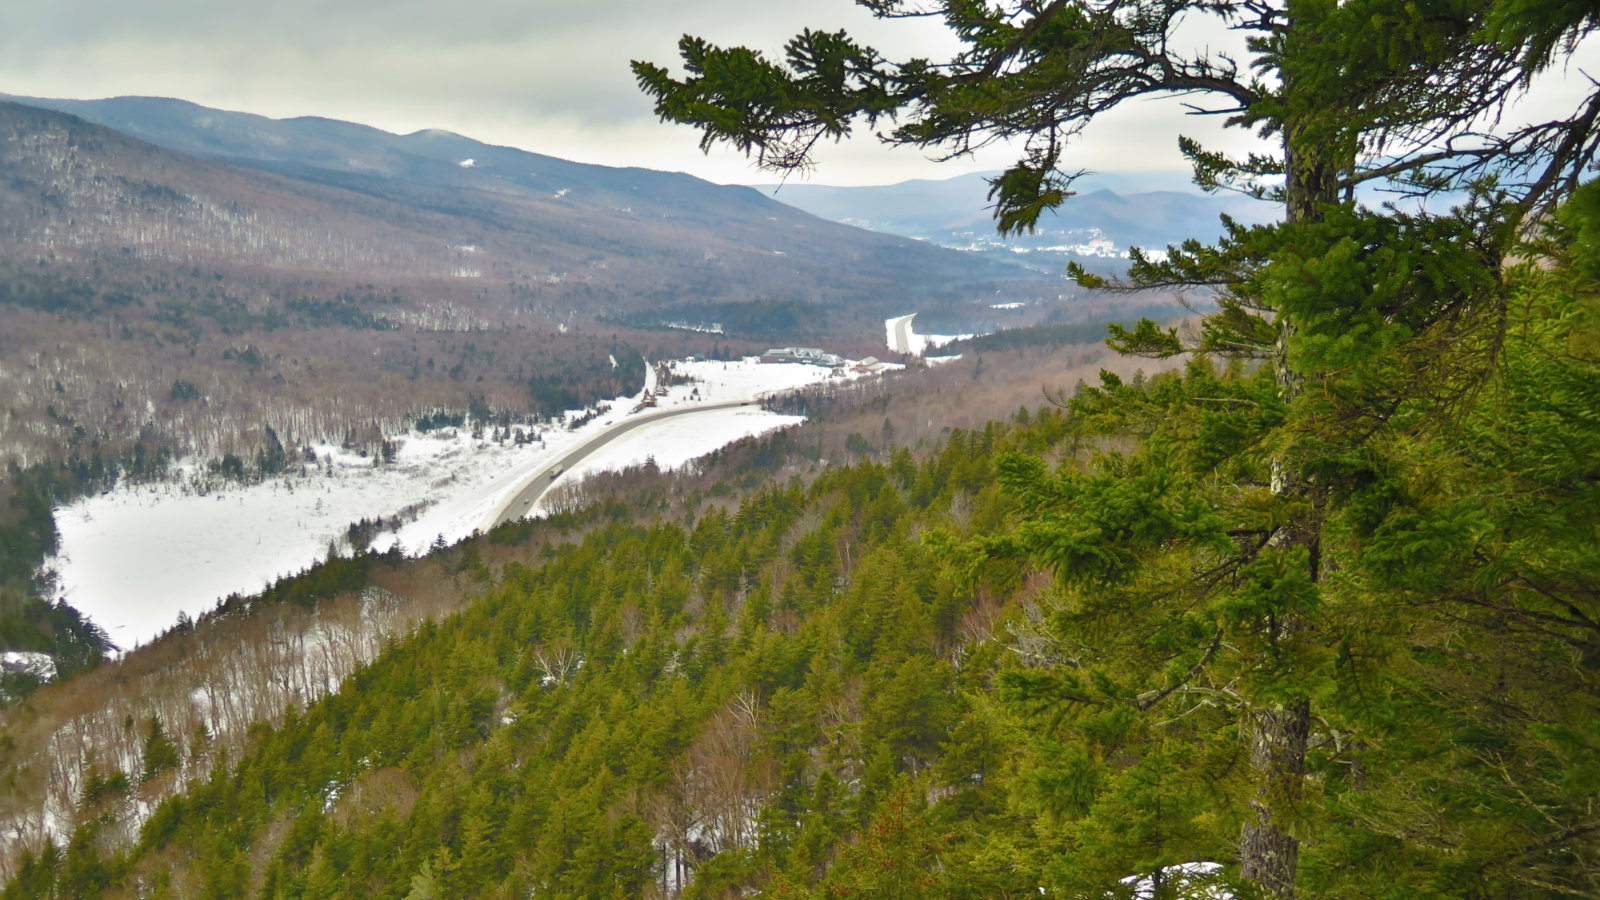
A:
[900,333]
[540,479]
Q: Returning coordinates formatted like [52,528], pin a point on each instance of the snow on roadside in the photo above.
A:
[132,559]
[891,328]
[674,442]
[917,344]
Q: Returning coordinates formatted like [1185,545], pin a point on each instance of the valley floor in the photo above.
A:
[135,558]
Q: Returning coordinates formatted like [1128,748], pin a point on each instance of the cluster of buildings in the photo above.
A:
[812,356]
[805,355]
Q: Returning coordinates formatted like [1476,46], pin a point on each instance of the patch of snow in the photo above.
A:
[40,665]
[134,558]
[712,328]
[467,163]
[1194,880]
[1013,305]
[561,193]
[745,379]
[674,442]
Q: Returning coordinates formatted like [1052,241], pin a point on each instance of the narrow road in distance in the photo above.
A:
[900,334]
[539,481]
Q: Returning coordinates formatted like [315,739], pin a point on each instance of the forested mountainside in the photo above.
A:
[1021,664]
[158,306]
[617,239]
[157,298]
[311,632]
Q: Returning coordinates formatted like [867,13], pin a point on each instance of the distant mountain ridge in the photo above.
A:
[1148,210]
[430,156]
[659,235]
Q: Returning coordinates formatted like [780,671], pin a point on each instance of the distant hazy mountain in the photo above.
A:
[1143,209]
[359,157]
[1148,210]
[654,236]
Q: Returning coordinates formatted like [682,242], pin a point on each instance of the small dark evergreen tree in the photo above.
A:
[160,753]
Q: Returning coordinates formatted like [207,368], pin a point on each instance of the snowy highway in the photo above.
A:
[903,338]
[899,338]
[544,477]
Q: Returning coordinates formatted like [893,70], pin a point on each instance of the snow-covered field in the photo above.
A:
[134,558]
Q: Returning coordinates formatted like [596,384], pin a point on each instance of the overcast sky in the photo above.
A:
[549,76]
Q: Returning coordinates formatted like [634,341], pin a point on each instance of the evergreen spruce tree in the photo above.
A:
[1212,546]
[160,753]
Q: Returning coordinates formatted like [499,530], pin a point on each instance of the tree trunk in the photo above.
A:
[1268,853]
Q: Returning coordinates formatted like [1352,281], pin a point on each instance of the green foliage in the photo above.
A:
[1578,223]
[1040,336]
[1456,514]
[47,294]
[429,421]
[1336,82]
[97,786]
[582,382]
[895,857]
[332,576]
[344,311]
[1221,562]
[1146,339]
[160,753]
[28,621]
[783,675]
[805,697]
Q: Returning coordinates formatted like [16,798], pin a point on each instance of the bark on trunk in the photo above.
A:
[1269,854]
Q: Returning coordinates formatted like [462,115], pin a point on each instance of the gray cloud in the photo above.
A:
[547,76]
